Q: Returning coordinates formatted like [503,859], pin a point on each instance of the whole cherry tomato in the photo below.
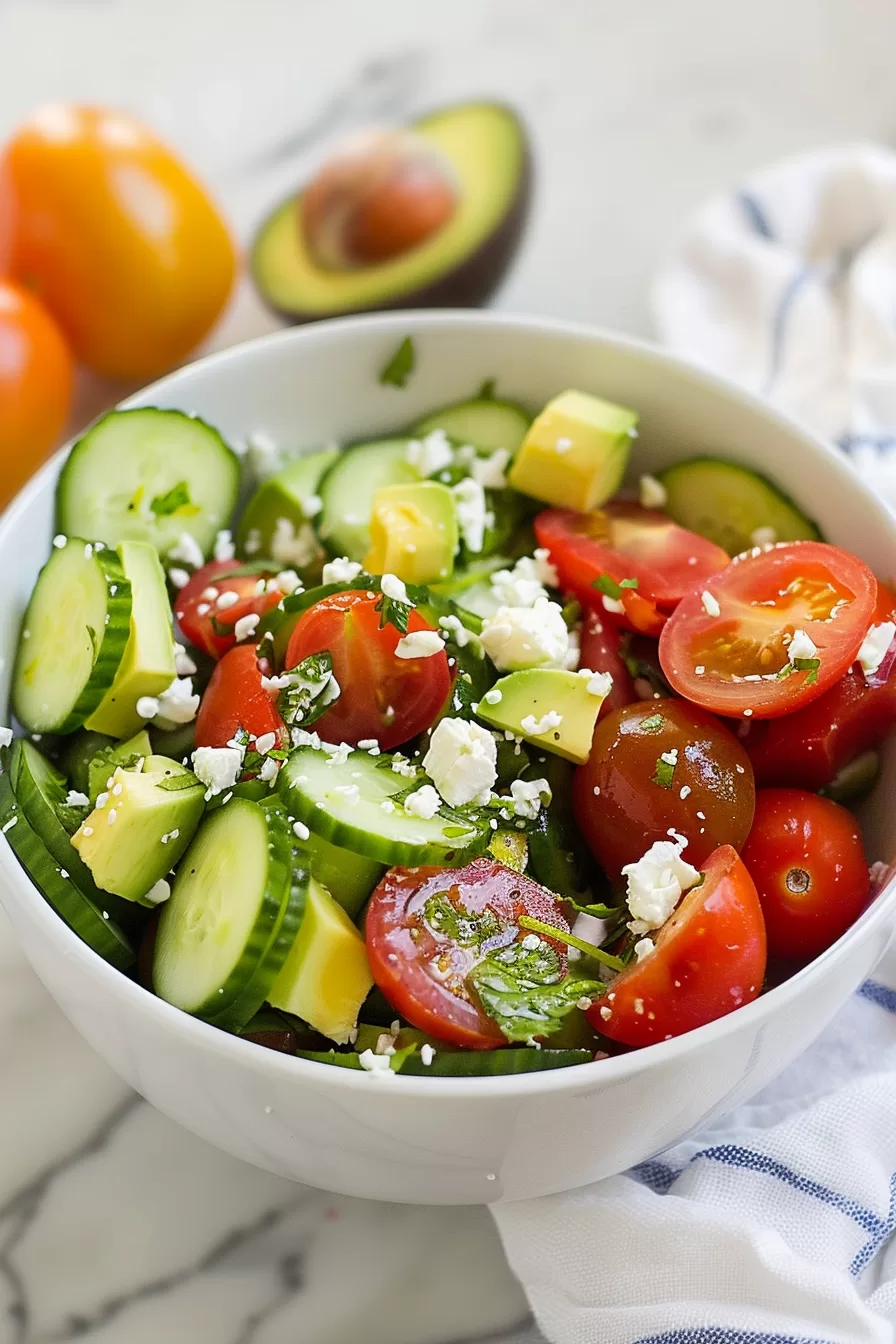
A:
[35,386]
[210,626]
[120,241]
[235,698]
[806,857]
[601,643]
[661,766]
[708,959]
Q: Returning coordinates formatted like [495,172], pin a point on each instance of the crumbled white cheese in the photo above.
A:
[268,771]
[652,493]
[423,802]
[218,768]
[599,683]
[763,536]
[341,570]
[427,1054]
[246,626]
[224,547]
[430,454]
[147,706]
[179,577]
[472,515]
[5,737]
[393,587]
[656,883]
[643,948]
[176,705]
[801,646]
[419,644]
[710,603]
[225,600]
[301,830]
[493,697]
[59,541]
[287,581]
[523,585]
[264,743]
[670,757]
[375,1063]
[612,604]
[529,796]
[263,457]
[252,544]
[312,505]
[461,760]
[183,663]
[520,637]
[291,546]
[158,893]
[74,798]
[491,472]
[350,792]
[171,835]
[402,766]
[874,646]
[188,550]
[533,727]
[456,630]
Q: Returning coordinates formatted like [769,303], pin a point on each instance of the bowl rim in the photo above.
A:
[291,1069]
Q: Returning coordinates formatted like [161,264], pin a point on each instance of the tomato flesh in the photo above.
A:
[805,855]
[763,598]
[708,960]
[421,971]
[600,651]
[210,627]
[626,796]
[384,697]
[234,699]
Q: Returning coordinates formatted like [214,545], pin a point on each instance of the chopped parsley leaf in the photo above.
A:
[607,585]
[400,366]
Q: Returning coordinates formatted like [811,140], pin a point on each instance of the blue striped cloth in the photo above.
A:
[773,1227]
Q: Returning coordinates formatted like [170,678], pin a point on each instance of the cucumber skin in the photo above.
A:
[812,530]
[465,1063]
[328,531]
[436,419]
[72,905]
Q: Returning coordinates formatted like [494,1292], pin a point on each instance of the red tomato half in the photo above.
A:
[384,697]
[709,959]
[762,599]
[601,642]
[208,626]
[421,969]
[628,542]
[806,857]
[235,698]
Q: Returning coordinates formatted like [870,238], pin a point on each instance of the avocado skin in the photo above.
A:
[469,284]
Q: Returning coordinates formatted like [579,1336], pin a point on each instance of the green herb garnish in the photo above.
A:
[394,613]
[810,665]
[178,497]
[653,723]
[176,783]
[664,775]
[524,990]
[312,690]
[607,585]
[486,391]
[571,940]
[400,366]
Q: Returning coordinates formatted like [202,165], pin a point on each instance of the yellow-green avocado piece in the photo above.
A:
[326,976]
[575,452]
[140,827]
[125,754]
[147,667]
[413,532]
[531,702]
[287,495]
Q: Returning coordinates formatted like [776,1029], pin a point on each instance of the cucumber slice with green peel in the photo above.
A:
[347,492]
[349,878]
[40,791]
[343,802]
[90,921]
[284,495]
[73,638]
[148,475]
[464,1063]
[727,504]
[483,423]
[80,750]
[219,945]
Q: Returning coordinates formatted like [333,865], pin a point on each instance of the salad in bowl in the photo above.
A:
[446,753]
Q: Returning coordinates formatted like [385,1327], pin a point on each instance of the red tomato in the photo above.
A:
[708,960]
[235,698]
[600,651]
[628,542]
[383,696]
[626,795]
[809,748]
[806,857]
[763,597]
[422,970]
[209,627]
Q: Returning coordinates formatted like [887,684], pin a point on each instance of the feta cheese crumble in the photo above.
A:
[176,705]
[218,768]
[430,454]
[393,587]
[427,1054]
[652,493]
[300,830]
[423,802]
[763,536]
[350,792]
[656,883]
[529,796]
[293,546]
[612,604]
[456,630]
[461,761]
[372,1063]
[341,570]
[179,577]
[5,737]
[520,637]
[183,663]
[224,547]
[599,683]
[419,644]
[74,798]
[533,727]
[246,626]
[523,585]
[643,948]
[491,471]
[801,646]
[159,892]
[710,604]
[188,550]
[472,515]
[147,706]
[874,646]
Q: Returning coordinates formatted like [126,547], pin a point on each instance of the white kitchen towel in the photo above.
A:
[775,1226]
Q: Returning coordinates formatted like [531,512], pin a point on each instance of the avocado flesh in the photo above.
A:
[575,452]
[103,764]
[535,692]
[413,532]
[460,265]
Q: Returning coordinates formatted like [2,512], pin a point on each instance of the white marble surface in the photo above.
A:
[115,1226]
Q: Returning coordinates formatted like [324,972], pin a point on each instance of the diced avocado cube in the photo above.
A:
[125,754]
[413,532]
[326,976]
[145,823]
[576,451]
[147,667]
[287,495]
[350,878]
[551,709]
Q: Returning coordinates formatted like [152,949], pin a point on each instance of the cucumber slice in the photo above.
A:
[89,921]
[342,801]
[40,792]
[347,492]
[148,475]
[349,878]
[232,916]
[726,503]
[483,423]
[465,1063]
[73,638]
[80,750]
[284,495]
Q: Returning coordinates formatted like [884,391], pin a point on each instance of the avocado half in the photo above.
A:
[459,267]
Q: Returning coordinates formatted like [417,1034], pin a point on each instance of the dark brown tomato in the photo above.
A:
[659,767]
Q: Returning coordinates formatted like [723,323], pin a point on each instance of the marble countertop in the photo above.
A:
[115,1225]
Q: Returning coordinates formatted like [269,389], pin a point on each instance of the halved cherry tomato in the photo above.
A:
[806,857]
[600,646]
[661,766]
[384,697]
[708,960]
[732,663]
[422,969]
[209,626]
[234,699]
[35,386]
[626,541]
[809,748]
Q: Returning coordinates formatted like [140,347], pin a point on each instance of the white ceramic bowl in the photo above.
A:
[422,1140]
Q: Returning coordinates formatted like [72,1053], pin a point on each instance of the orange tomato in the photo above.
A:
[120,241]
[35,386]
